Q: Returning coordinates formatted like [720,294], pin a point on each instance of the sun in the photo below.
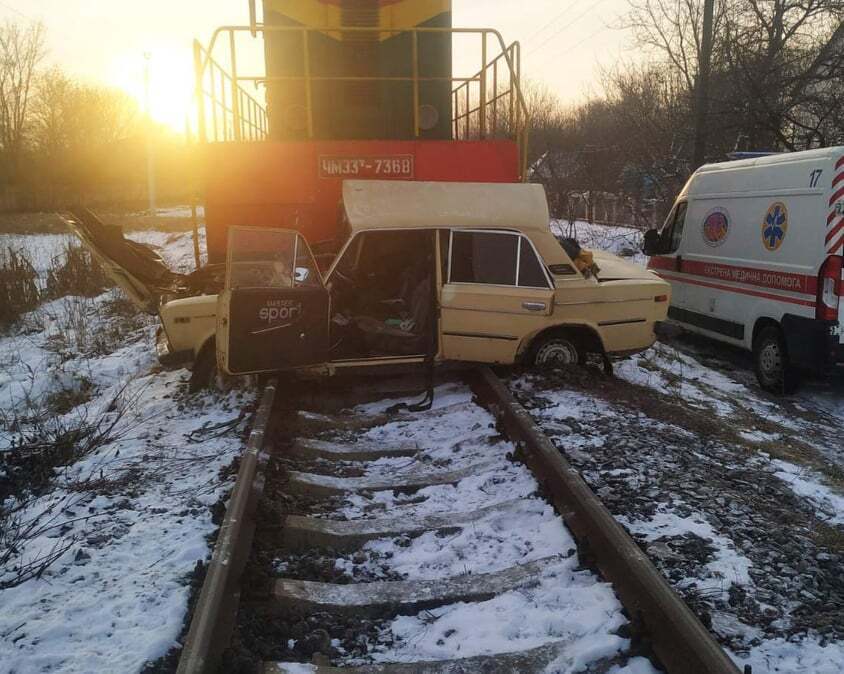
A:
[169,71]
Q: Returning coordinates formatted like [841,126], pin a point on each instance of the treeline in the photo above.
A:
[63,141]
[777,73]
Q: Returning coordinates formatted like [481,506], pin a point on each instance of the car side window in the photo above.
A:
[494,258]
[531,274]
[672,235]
[483,257]
[445,242]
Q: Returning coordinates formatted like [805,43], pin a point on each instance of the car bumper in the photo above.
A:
[166,355]
[813,345]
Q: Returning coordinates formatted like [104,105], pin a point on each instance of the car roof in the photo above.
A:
[394,204]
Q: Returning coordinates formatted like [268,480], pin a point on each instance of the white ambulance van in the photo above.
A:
[753,251]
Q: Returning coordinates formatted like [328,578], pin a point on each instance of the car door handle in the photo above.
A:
[534,306]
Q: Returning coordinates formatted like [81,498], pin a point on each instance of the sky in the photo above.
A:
[565,43]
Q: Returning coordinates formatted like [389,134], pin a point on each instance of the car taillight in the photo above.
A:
[661,298]
[829,289]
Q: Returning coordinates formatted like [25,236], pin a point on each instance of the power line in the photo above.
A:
[549,24]
[568,25]
[16,11]
[580,42]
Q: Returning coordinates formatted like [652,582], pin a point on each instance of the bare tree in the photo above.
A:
[21,52]
[673,29]
[75,131]
[773,62]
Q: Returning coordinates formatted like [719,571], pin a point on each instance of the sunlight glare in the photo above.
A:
[170,83]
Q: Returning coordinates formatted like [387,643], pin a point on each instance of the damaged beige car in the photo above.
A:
[428,272]
[186,304]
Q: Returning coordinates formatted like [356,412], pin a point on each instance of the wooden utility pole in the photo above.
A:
[150,140]
[704,71]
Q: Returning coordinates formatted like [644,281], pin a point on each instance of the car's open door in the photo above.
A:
[273,312]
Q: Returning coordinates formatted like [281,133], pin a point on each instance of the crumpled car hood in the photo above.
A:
[614,268]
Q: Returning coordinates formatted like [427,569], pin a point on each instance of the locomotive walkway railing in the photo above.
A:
[486,104]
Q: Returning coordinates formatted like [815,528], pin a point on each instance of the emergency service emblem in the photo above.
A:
[716,227]
[775,226]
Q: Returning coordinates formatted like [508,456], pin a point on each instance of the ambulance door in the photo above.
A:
[273,312]
[668,260]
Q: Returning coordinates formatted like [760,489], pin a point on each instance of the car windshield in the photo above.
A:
[260,258]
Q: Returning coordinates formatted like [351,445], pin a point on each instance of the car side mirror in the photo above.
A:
[650,246]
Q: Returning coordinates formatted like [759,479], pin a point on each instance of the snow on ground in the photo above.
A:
[134,517]
[732,531]
[617,239]
[726,563]
[50,350]
[809,485]
[758,417]
[176,212]
[176,248]
[128,520]
[41,249]
[729,391]
[566,603]
[731,522]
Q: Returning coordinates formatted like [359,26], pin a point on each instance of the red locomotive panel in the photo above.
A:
[297,185]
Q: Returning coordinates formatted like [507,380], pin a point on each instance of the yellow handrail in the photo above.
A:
[244,118]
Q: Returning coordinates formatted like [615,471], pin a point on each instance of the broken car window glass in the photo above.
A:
[261,258]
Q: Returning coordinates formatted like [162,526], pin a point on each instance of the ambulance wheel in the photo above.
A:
[556,351]
[770,360]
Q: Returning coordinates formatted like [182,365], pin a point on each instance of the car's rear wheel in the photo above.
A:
[557,351]
[771,363]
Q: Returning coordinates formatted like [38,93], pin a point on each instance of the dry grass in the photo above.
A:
[75,272]
[19,290]
[43,444]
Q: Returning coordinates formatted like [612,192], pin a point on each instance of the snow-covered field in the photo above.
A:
[125,518]
[623,241]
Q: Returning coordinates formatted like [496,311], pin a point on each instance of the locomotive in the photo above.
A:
[348,89]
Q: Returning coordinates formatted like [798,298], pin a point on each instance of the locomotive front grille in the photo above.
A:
[361,50]
[360,14]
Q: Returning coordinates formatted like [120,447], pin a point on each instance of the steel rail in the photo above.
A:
[658,616]
[680,641]
[214,614]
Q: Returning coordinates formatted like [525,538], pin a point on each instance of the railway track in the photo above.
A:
[437,541]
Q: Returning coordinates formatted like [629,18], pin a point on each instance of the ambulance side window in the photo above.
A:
[672,234]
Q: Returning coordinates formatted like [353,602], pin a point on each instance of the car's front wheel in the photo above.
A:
[771,363]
